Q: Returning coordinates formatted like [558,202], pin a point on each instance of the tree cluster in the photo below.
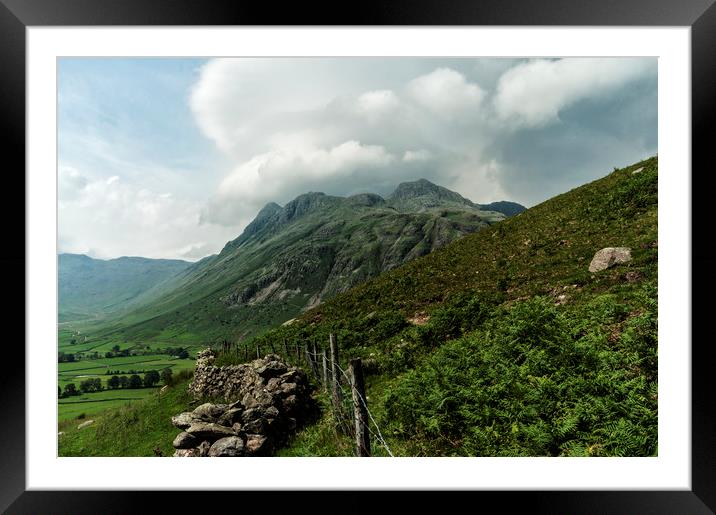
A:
[94,384]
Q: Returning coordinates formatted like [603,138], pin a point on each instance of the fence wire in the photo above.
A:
[315,364]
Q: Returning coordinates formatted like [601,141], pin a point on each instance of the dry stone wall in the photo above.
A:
[261,405]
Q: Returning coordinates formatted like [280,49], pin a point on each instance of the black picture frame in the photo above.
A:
[700,15]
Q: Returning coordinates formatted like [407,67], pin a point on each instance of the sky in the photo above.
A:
[172,158]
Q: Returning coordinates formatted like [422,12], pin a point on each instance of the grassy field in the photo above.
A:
[89,405]
[76,371]
[126,428]
[92,403]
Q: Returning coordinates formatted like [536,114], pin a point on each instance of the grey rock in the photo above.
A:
[186,453]
[608,257]
[229,446]
[229,417]
[255,426]
[271,369]
[289,388]
[249,401]
[290,404]
[273,384]
[256,445]
[182,420]
[208,412]
[264,399]
[185,440]
[204,448]
[209,431]
[251,414]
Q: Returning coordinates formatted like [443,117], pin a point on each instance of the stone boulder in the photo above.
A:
[185,440]
[209,431]
[266,400]
[182,420]
[608,257]
[208,412]
[231,446]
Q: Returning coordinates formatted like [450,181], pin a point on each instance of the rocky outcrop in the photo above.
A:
[608,257]
[265,401]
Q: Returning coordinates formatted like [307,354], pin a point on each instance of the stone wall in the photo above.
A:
[261,404]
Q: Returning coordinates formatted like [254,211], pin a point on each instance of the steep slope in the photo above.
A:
[94,287]
[291,258]
[503,343]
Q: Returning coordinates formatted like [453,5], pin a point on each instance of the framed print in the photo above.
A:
[419,235]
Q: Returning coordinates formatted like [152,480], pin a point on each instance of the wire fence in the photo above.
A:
[322,367]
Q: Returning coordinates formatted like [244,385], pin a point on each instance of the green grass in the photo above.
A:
[92,404]
[456,387]
[130,430]
[503,367]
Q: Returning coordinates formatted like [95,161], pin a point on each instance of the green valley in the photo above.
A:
[291,258]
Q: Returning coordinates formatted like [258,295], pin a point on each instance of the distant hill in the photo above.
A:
[292,258]
[90,287]
[505,207]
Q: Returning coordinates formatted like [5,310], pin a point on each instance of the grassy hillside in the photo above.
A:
[129,429]
[503,343]
[524,352]
[293,257]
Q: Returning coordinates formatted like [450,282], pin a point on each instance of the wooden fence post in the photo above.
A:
[360,408]
[285,350]
[312,363]
[337,395]
[325,370]
[298,354]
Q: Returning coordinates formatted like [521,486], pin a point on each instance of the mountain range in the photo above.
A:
[91,287]
[287,260]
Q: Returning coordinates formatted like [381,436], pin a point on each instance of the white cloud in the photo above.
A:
[287,126]
[333,130]
[339,129]
[70,183]
[378,102]
[235,98]
[412,156]
[278,176]
[110,217]
[533,93]
[446,93]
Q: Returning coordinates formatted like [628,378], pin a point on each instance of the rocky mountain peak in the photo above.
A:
[422,194]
